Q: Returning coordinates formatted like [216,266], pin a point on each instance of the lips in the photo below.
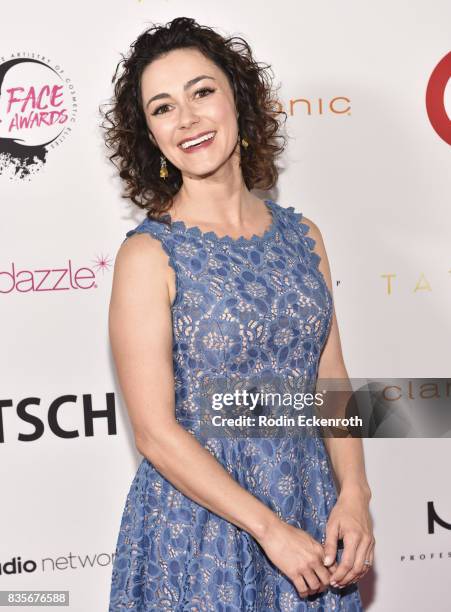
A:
[196,136]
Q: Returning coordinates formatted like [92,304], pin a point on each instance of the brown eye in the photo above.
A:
[156,112]
[202,90]
[208,89]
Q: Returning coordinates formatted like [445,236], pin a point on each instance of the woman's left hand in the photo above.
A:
[350,520]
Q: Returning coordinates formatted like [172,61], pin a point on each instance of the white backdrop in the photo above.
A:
[375,179]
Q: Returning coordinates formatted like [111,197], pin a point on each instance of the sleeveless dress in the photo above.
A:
[242,306]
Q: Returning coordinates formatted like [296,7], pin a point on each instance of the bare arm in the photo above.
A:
[350,519]
[346,453]
[140,329]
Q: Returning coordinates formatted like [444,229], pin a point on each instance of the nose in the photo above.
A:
[187,116]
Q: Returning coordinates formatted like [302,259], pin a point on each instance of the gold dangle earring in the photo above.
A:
[163,168]
[242,141]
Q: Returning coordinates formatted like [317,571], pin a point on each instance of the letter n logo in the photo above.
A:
[433,517]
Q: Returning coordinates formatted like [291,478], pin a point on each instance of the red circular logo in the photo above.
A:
[435,98]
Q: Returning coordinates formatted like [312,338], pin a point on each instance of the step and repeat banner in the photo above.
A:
[367,90]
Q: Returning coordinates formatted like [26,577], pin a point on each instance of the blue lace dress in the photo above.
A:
[242,306]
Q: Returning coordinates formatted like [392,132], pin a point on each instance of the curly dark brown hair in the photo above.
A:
[126,130]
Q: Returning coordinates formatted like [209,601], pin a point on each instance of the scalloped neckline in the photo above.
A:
[195,230]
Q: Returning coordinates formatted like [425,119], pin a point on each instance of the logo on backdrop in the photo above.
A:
[434,518]
[74,561]
[18,279]
[38,107]
[88,417]
[439,116]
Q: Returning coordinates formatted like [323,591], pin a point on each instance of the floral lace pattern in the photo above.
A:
[243,306]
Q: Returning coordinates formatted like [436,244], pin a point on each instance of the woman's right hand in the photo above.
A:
[298,555]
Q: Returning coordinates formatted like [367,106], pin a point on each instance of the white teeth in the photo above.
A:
[190,143]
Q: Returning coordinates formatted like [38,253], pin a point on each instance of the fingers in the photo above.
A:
[312,580]
[301,586]
[323,574]
[358,565]
[312,576]
[351,541]
[366,566]
[309,584]
[330,545]
[365,551]
[332,568]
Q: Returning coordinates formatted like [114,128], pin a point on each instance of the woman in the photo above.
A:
[216,282]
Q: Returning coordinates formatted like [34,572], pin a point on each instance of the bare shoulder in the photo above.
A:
[319,248]
[314,231]
[141,251]
[140,268]
[140,248]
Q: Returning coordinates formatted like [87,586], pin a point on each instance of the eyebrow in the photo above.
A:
[187,85]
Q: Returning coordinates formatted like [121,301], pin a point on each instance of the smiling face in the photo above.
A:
[185,94]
